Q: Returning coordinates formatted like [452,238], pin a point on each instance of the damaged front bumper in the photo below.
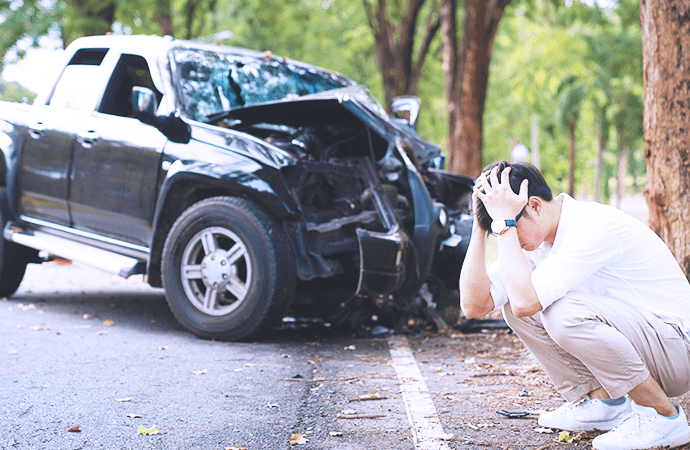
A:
[393,262]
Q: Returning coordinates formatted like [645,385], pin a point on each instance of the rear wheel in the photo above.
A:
[13,257]
[228,269]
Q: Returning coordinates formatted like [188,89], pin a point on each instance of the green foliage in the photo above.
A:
[331,34]
[22,19]
[585,63]
[15,92]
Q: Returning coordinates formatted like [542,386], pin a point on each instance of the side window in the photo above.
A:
[131,70]
[77,78]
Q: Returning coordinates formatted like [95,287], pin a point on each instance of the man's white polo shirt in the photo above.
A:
[601,250]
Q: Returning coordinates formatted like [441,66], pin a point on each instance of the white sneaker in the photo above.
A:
[643,428]
[587,414]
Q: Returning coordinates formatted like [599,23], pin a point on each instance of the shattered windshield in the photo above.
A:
[212,82]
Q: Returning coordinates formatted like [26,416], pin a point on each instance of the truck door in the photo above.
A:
[44,164]
[116,162]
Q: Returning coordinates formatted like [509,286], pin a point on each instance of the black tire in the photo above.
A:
[13,257]
[254,283]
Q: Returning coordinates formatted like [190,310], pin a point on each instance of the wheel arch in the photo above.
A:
[7,148]
[189,185]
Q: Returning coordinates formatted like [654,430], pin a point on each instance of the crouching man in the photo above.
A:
[598,299]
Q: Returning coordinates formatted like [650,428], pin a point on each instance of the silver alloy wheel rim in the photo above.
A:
[216,271]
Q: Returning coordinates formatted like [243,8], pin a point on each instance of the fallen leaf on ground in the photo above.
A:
[128,399]
[284,355]
[108,323]
[297,438]
[348,412]
[445,437]
[350,347]
[12,351]
[309,432]
[235,447]
[133,416]
[200,372]
[86,316]
[335,433]
[162,347]
[565,437]
[272,405]
[544,430]
[76,429]
[148,431]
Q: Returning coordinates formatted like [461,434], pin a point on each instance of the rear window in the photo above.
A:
[79,77]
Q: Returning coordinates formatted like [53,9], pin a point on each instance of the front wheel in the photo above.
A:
[228,270]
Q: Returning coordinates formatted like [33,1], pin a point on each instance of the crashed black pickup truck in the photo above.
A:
[250,187]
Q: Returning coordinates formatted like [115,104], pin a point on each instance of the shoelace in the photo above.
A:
[575,403]
[632,423]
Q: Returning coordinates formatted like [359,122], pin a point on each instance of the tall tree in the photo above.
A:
[394,28]
[467,74]
[86,18]
[19,20]
[666,56]
[569,113]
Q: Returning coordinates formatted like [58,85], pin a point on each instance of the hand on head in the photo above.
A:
[497,196]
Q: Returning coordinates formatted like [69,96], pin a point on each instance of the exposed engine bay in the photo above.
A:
[348,180]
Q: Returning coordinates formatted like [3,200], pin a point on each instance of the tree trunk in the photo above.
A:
[601,141]
[395,45]
[469,76]
[620,177]
[571,174]
[666,58]
[163,16]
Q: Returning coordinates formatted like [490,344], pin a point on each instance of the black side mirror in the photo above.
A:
[144,107]
[143,102]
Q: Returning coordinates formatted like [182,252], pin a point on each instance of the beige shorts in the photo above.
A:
[586,341]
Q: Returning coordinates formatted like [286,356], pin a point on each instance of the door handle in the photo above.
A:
[36,130]
[88,138]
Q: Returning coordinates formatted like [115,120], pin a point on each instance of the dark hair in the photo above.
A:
[537,186]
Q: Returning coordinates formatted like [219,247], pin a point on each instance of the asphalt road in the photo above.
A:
[81,348]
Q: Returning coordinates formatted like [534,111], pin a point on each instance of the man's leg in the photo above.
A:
[621,346]
[571,378]
[627,351]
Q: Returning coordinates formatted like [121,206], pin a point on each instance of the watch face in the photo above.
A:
[497,226]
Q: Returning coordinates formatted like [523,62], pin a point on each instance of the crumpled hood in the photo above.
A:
[333,106]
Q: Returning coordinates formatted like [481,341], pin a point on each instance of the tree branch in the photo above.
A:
[432,27]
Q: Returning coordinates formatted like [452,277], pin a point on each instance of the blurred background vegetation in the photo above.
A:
[565,77]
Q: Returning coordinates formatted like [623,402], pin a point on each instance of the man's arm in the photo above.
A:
[517,275]
[475,287]
[501,202]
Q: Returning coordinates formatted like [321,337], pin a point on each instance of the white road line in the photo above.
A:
[427,431]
